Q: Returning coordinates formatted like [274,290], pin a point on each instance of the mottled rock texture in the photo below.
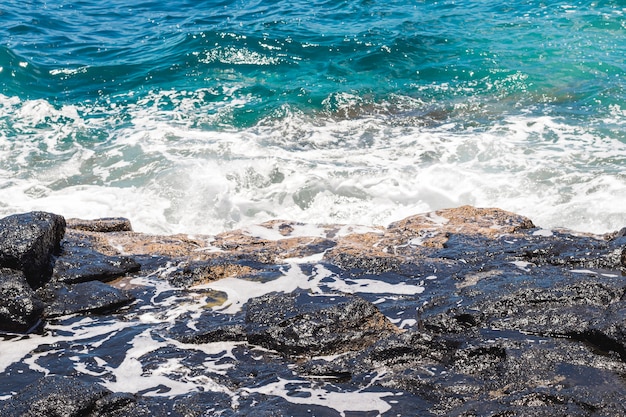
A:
[20,308]
[301,323]
[27,243]
[35,261]
[492,315]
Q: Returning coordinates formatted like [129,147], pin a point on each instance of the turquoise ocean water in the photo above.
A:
[201,116]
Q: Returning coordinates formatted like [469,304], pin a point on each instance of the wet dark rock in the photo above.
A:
[210,327]
[576,251]
[215,333]
[502,372]
[20,309]
[498,317]
[55,396]
[191,273]
[93,296]
[27,243]
[301,323]
[70,396]
[578,307]
[81,263]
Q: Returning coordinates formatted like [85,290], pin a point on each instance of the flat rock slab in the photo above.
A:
[82,264]
[302,323]
[28,241]
[92,296]
[20,309]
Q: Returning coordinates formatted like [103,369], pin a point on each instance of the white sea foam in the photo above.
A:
[170,378]
[23,348]
[343,402]
[168,174]
[543,232]
[373,286]
[239,291]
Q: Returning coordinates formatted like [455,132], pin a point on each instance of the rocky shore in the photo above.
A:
[459,312]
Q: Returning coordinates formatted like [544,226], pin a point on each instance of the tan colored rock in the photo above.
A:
[371,249]
[409,239]
[431,229]
[104,225]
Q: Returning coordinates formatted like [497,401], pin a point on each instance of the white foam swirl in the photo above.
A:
[168,172]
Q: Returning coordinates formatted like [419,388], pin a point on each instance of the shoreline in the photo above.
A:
[457,311]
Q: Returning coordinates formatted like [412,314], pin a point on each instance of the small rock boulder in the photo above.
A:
[104,225]
[27,243]
[301,323]
[20,309]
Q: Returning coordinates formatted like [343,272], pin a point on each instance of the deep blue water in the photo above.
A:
[200,116]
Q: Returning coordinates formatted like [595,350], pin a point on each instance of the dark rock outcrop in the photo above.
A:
[35,262]
[93,296]
[27,243]
[295,324]
[79,263]
[71,396]
[20,309]
[55,396]
[459,312]
[302,323]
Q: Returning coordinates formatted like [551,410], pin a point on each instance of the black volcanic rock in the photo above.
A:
[20,309]
[92,296]
[27,243]
[301,323]
[54,396]
[81,264]
[497,318]
[69,396]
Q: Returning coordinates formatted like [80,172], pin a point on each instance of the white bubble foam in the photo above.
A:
[343,402]
[169,174]
[25,347]
[170,378]
[239,291]
[373,286]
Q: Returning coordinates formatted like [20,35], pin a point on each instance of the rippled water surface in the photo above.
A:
[202,116]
